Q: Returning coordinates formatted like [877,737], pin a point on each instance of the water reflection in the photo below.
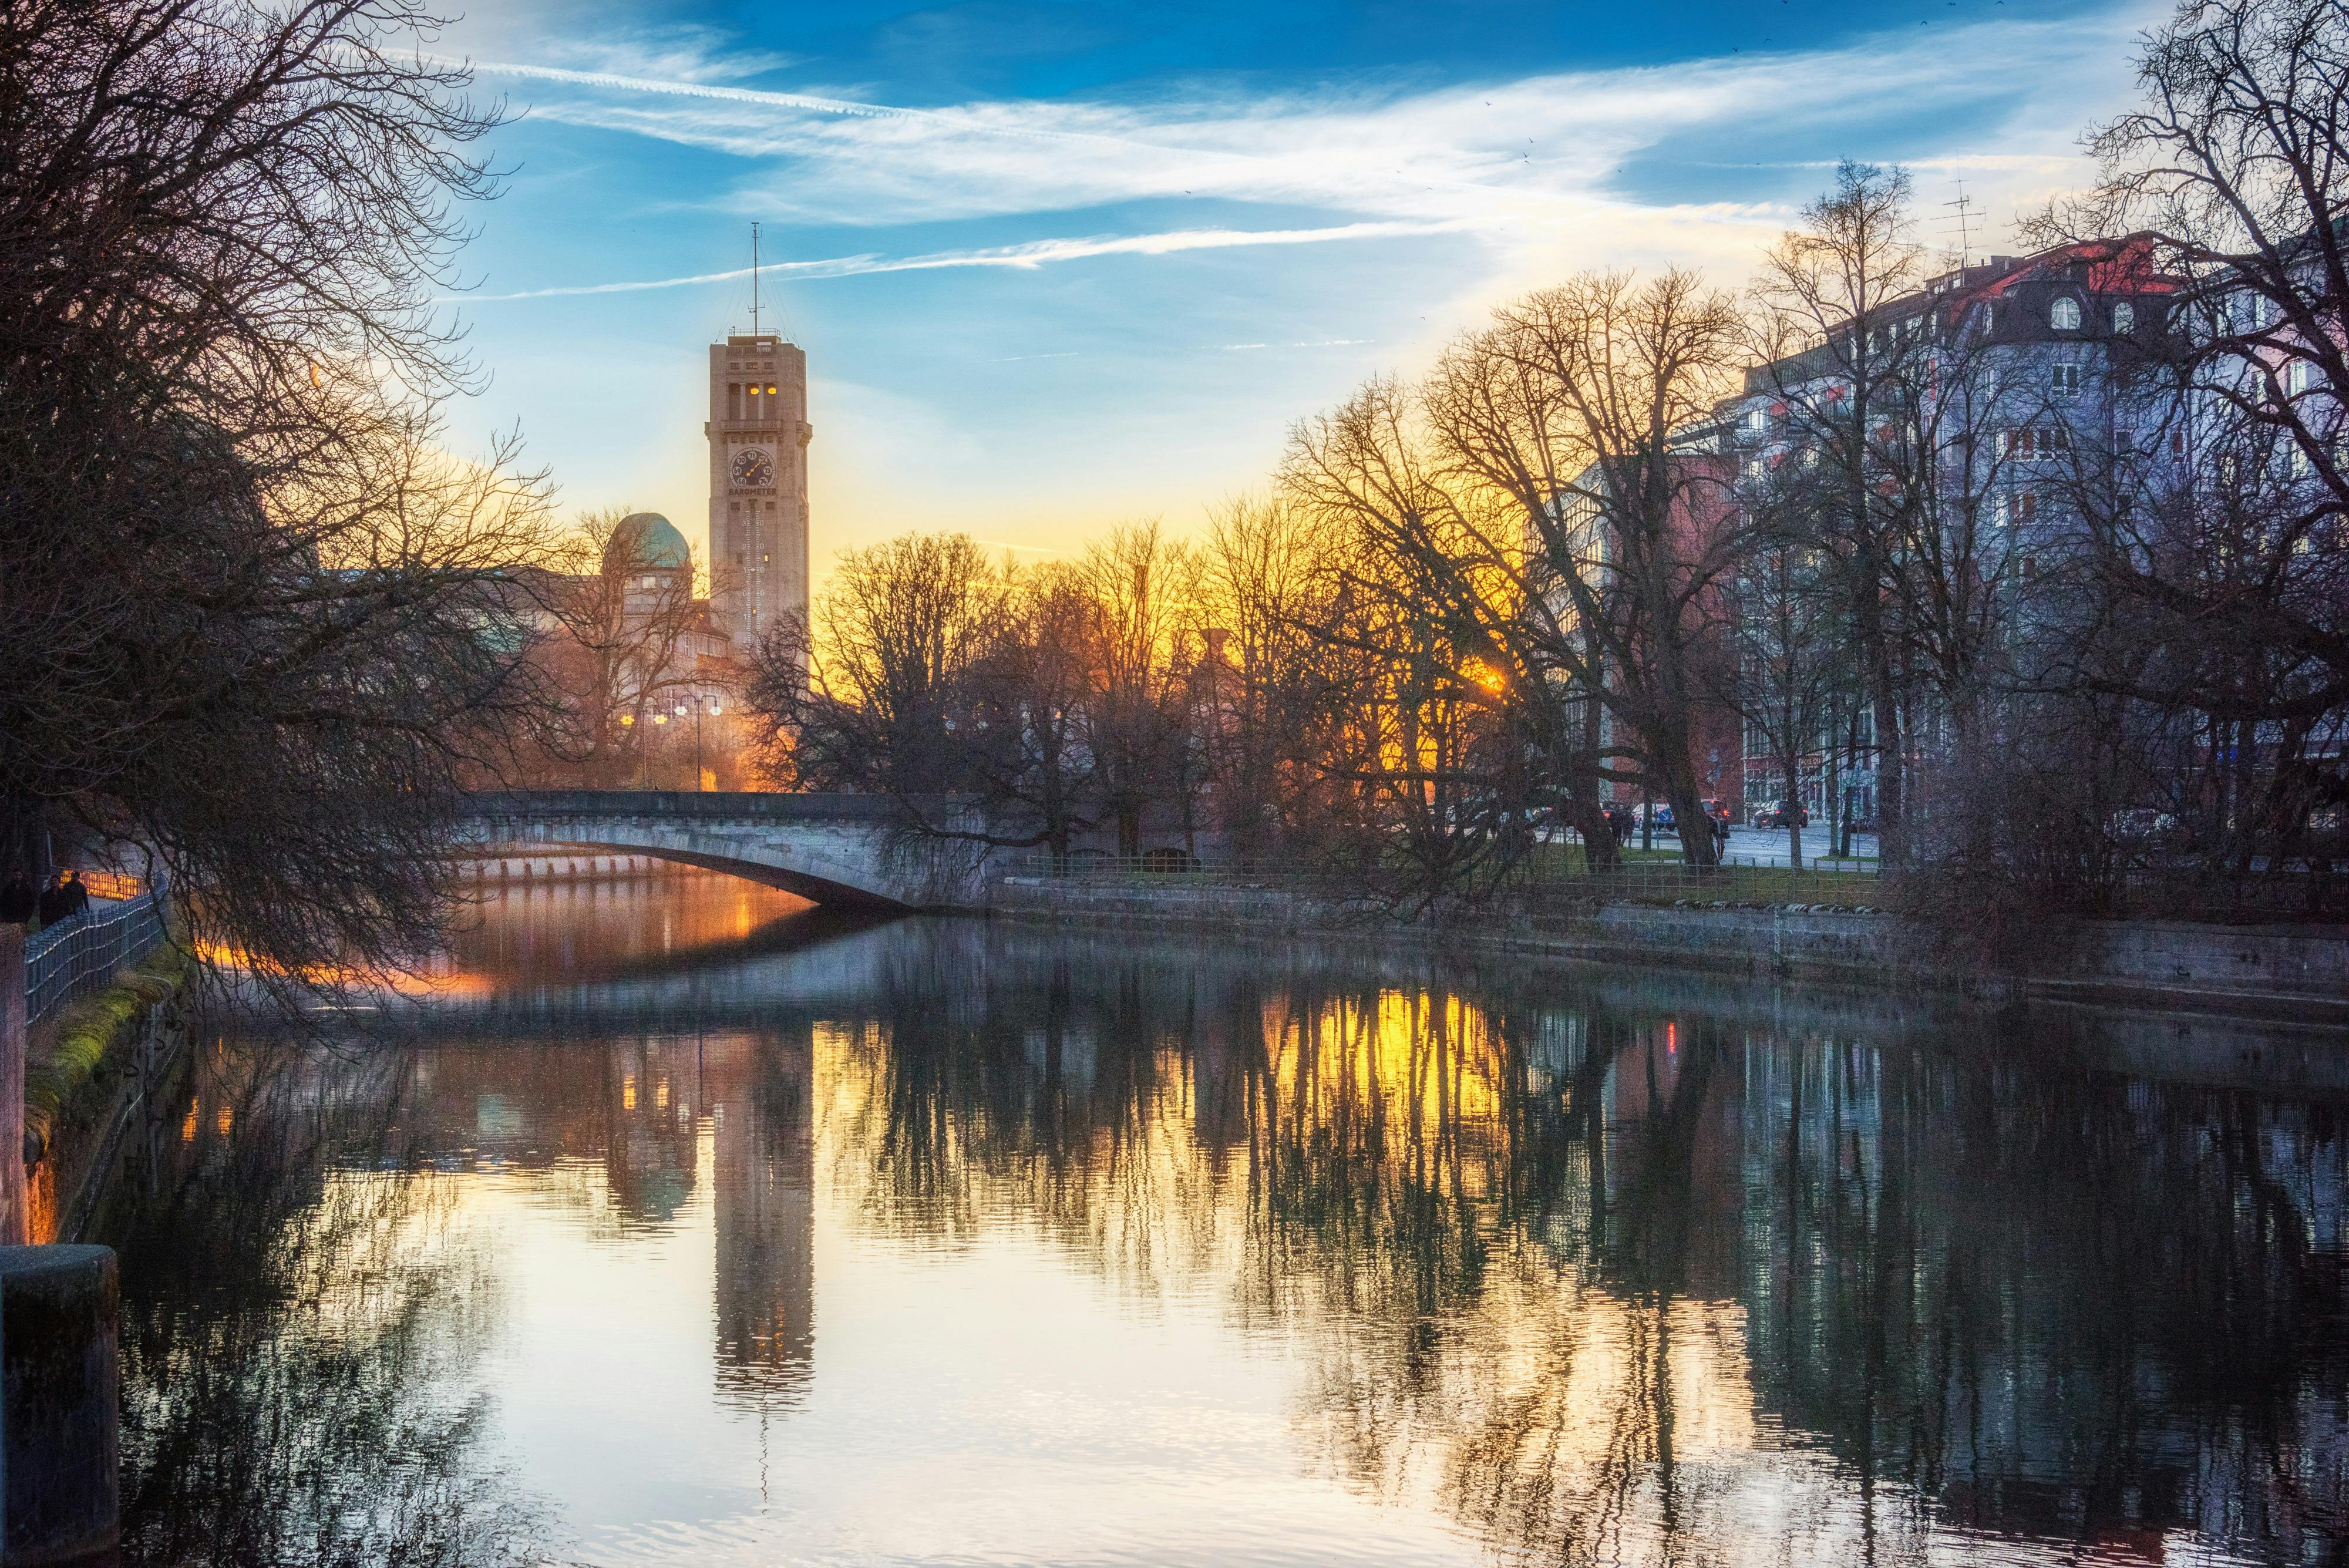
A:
[302,1375]
[1013,1246]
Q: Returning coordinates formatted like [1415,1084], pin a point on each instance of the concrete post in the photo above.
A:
[59,1487]
[16,1218]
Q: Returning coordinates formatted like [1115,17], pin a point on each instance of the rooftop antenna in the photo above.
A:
[1963,206]
[754,280]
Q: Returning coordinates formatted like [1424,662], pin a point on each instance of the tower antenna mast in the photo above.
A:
[1963,206]
[754,280]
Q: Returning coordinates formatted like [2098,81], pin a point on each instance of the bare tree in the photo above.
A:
[2224,535]
[1836,369]
[2214,566]
[1428,572]
[1556,511]
[1272,696]
[1789,633]
[617,648]
[1032,769]
[257,627]
[1138,580]
[875,693]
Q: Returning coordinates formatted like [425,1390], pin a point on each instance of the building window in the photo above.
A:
[2123,316]
[2063,380]
[2065,316]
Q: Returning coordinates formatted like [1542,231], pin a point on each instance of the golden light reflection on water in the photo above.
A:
[945,1239]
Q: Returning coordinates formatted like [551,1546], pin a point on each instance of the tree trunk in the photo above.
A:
[1671,755]
[1876,657]
[1600,852]
[1793,810]
[1892,838]
[1831,787]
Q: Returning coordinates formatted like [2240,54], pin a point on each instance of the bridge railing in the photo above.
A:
[76,957]
[732,805]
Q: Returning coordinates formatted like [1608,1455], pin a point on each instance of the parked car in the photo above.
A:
[2142,825]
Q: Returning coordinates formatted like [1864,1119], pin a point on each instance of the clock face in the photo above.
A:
[753,468]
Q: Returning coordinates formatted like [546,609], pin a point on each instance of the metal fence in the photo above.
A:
[2291,894]
[1738,881]
[1165,868]
[76,957]
[1637,880]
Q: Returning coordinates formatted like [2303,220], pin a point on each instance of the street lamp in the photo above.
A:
[701,705]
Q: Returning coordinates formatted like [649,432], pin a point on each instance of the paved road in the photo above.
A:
[1770,848]
[1755,846]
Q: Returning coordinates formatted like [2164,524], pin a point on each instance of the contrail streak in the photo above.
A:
[1034,253]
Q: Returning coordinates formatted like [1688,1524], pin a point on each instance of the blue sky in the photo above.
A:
[1056,265]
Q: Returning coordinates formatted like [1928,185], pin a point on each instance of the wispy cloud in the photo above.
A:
[1376,214]
[684,52]
[1028,254]
[1546,145]
[1317,343]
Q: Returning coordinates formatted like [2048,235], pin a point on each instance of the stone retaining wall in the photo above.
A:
[2296,972]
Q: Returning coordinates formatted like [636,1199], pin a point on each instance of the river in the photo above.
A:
[682,1223]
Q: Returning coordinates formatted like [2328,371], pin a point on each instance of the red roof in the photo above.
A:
[2122,266]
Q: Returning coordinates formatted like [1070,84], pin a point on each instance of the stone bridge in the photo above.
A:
[838,849]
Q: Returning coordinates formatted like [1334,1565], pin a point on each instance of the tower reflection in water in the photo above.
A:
[636,1132]
[1583,1267]
[765,1195]
[726,1109]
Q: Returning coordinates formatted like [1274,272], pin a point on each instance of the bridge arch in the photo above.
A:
[834,849]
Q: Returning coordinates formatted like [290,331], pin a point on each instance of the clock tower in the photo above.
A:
[759,438]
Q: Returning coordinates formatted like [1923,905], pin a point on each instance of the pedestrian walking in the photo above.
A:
[54,903]
[17,899]
[78,893]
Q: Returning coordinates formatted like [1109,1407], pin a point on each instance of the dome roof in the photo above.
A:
[647,541]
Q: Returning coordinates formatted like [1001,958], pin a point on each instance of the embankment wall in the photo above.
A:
[2299,973]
